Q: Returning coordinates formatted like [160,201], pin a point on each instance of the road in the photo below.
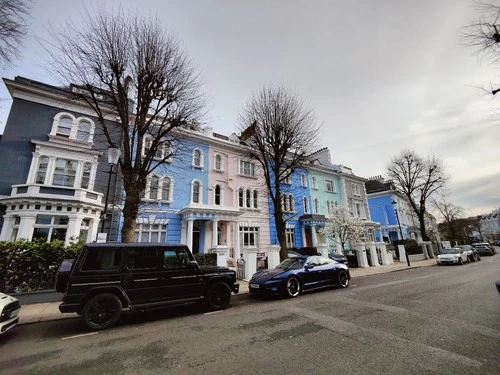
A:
[432,320]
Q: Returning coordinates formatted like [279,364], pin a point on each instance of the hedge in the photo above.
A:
[32,265]
[207,259]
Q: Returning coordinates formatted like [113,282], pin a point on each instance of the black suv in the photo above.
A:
[105,278]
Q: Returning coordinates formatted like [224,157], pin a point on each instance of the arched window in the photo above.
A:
[240,197]
[248,198]
[306,205]
[196,192]
[165,190]
[217,196]
[197,158]
[255,199]
[218,162]
[83,132]
[153,189]
[303,180]
[64,126]
[41,173]
[87,168]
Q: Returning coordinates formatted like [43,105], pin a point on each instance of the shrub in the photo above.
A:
[32,265]
[411,246]
[209,259]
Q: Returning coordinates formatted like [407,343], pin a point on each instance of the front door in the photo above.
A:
[308,237]
[196,239]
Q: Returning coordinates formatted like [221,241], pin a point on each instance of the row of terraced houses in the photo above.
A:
[55,174]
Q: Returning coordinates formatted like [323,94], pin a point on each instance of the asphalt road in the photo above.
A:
[432,320]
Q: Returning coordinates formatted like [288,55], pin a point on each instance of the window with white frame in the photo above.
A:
[241,197]
[218,166]
[303,180]
[217,195]
[248,200]
[290,238]
[87,169]
[356,190]
[64,172]
[153,187]
[197,158]
[41,173]
[358,210]
[162,149]
[150,232]
[68,126]
[287,203]
[50,228]
[288,180]
[166,192]
[249,236]
[306,205]
[83,132]
[255,199]
[314,182]
[316,206]
[330,186]
[196,192]
[247,168]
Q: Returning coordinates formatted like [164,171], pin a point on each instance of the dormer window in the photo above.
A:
[68,126]
[64,127]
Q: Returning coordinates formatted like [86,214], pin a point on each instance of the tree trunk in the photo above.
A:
[423,232]
[133,193]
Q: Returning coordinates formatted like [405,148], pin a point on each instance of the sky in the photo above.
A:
[380,75]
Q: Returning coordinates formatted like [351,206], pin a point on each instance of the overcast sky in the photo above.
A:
[381,76]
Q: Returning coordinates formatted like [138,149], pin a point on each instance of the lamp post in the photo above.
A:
[395,206]
[113,156]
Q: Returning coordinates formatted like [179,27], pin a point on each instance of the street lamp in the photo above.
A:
[113,156]
[395,206]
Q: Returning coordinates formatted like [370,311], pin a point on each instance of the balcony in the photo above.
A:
[34,191]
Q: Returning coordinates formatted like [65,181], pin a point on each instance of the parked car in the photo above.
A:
[105,278]
[484,249]
[341,258]
[472,253]
[485,244]
[9,312]
[298,274]
[454,255]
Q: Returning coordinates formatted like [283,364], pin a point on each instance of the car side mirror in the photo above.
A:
[307,267]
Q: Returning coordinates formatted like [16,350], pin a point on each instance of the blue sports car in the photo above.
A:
[298,274]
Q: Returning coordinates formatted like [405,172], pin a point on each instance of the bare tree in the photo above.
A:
[131,70]
[418,179]
[483,36]
[13,28]
[343,227]
[281,135]
[450,214]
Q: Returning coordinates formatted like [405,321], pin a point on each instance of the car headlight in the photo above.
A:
[275,278]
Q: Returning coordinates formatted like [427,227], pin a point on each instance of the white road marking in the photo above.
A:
[83,335]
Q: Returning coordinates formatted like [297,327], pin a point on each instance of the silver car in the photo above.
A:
[454,255]
[472,254]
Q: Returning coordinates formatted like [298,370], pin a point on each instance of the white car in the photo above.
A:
[9,311]
[454,255]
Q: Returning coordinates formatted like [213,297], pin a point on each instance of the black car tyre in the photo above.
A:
[460,261]
[342,279]
[293,287]
[218,296]
[101,311]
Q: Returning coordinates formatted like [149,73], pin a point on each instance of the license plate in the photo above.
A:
[255,286]
[15,313]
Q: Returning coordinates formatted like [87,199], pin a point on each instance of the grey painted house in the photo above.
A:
[54,166]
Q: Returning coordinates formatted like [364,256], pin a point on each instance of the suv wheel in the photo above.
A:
[218,296]
[101,311]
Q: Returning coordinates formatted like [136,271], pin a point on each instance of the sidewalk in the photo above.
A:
[40,312]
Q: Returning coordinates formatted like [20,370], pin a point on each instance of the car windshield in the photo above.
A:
[449,251]
[291,264]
